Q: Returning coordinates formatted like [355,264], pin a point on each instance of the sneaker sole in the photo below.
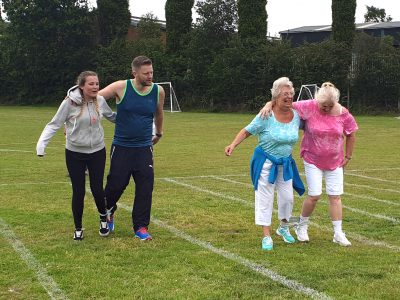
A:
[284,239]
[146,239]
[267,249]
[302,240]
[341,244]
[104,234]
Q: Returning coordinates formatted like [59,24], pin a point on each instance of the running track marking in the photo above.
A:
[45,280]
[291,284]
[11,150]
[357,237]
[372,178]
[350,208]
[34,183]
[379,169]
[372,188]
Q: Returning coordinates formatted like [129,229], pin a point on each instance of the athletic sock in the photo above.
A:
[337,226]
[103,217]
[304,219]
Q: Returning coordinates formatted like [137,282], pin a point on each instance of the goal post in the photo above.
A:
[171,103]
[307,91]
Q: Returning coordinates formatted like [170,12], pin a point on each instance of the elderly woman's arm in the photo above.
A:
[350,141]
[240,137]
[266,110]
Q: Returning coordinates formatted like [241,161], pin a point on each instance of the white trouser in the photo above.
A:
[264,197]
[333,180]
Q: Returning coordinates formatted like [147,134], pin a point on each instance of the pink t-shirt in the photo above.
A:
[323,139]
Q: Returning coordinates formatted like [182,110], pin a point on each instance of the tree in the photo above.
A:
[343,31]
[48,43]
[376,15]
[213,30]
[252,20]
[114,20]
[178,15]
[343,27]
[148,27]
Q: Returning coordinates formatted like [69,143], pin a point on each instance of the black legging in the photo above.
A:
[76,165]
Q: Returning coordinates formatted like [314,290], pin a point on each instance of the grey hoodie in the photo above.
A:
[84,132]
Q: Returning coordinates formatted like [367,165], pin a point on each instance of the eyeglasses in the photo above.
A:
[287,94]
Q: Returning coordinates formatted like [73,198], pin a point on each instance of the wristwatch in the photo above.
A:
[159,135]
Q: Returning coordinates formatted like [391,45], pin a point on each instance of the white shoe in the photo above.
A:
[340,238]
[301,232]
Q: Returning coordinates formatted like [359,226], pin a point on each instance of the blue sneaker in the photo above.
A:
[143,234]
[267,244]
[110,218]
[284,232]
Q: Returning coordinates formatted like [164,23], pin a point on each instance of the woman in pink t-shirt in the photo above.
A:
[328,126]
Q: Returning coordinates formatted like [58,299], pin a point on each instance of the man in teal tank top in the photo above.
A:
[139,102]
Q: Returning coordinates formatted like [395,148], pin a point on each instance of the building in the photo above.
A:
[316,34]
[133,32]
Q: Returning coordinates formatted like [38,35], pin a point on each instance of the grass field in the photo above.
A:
[205,245]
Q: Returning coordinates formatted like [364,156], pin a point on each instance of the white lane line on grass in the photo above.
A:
[378,169]
[357,237]
[291,284]
[373,199]
[217,194]
[365,213]
[12,150]
[378,216]
[34,183]
[371,178]
[231,181]
[358,196]
[45,280]
[372,188]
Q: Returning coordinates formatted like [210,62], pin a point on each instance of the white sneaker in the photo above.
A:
[340,238]
[301,232]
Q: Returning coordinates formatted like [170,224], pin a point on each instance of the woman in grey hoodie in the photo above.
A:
[81,112]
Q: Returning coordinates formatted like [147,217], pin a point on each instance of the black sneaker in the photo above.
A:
[104,230]
[78,235]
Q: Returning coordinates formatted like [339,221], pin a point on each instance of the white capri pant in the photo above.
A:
[333,180]
[264,197]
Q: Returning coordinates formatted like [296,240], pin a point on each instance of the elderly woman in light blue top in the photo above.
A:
[272,165]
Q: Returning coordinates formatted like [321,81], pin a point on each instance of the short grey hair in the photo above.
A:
[327,93]
[279,84]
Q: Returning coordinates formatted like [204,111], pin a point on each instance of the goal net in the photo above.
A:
[171,102]
[307,91]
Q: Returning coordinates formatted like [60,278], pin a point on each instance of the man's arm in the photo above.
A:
[113,90]
[159,115]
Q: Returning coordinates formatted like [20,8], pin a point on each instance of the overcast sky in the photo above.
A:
[285,14]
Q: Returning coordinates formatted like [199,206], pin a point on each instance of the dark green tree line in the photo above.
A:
[376,15]
[219,66]
[252,20]
[114,18]
[45,46]
[178,15]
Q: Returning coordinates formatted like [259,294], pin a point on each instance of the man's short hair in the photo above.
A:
[139,61]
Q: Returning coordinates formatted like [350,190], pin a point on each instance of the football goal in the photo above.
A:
[171,102]
[307,91]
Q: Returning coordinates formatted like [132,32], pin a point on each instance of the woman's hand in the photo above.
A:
[266,110]
[229,149]
[345,161]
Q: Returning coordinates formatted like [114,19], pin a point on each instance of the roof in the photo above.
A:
[135,21]
[359,26]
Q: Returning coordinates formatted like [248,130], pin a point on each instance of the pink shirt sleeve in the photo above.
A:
[349,124]
[305,108]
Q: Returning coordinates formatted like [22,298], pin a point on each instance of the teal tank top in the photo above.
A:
[135,113]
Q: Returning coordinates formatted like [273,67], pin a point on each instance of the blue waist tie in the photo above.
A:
[289,169]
